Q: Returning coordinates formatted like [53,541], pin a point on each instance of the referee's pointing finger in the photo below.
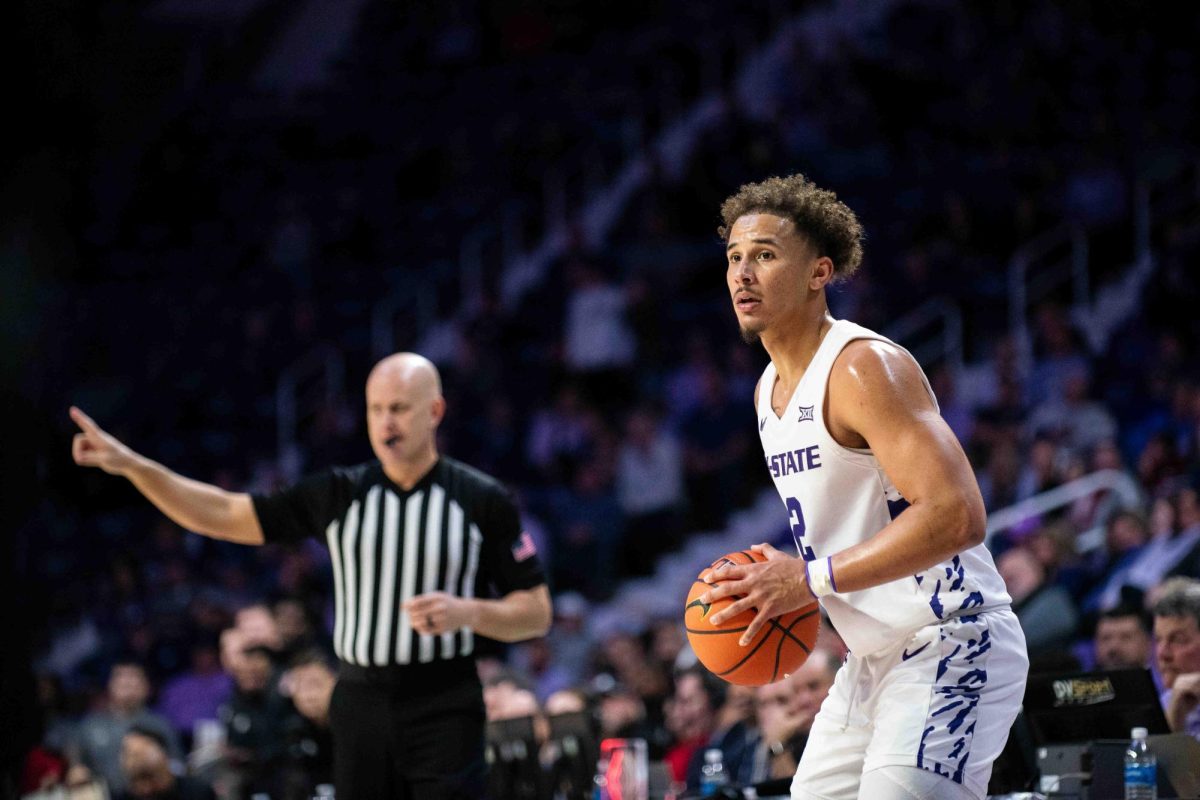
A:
[83,420]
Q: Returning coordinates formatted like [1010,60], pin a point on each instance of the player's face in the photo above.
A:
[768,272]
[1121,643]
[1177,643]
[402,416]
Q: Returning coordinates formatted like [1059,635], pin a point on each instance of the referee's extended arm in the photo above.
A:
[199,507]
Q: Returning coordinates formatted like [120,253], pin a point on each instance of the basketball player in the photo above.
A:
[415,541]
[887,518]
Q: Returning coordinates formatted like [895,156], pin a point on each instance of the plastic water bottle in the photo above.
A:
[1141,769]
[600,782]
[712,774]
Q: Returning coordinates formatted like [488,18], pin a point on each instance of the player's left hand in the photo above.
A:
[774,587]
[437,612]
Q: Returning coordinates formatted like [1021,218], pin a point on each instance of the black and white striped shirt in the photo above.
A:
[456,531]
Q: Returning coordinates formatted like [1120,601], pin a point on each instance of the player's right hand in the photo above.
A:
[93,447]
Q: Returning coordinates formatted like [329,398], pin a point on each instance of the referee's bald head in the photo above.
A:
[404,408]
[412,368]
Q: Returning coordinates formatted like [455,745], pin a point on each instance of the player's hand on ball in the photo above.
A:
[774,587]
[437,612]
[94,447]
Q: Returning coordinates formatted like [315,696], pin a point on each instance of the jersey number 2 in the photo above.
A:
[796,517]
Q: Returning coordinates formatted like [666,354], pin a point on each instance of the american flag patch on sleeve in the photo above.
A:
[524,547]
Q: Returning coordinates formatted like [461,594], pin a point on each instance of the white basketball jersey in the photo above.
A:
[837,497]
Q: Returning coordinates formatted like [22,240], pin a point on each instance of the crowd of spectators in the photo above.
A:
[613,397]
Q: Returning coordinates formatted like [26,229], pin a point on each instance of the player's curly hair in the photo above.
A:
[817,213]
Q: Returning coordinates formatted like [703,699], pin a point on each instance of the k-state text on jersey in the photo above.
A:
[790,461]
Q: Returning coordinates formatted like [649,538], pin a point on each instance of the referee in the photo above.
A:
[416,541]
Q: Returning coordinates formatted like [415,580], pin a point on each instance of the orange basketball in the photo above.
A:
[781,646]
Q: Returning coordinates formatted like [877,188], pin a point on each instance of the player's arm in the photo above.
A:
[194,505]
[518,615]
[876,393]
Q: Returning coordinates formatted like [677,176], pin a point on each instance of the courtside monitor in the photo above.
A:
[1063,708]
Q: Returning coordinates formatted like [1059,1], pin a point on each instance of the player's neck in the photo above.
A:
[408,474]
[793,347]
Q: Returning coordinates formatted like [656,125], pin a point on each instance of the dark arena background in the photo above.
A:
[219,214]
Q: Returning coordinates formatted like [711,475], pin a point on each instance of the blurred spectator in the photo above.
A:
[233,644]
[561,436]
[256,718]
[58,723]
[297,628]
[714,447]
[1073,419]
[692,718]
[1187,508]
[1122,639]
[570,637]
[684,389]
[43,769]
[566,701]
[597,339]
[622,655]
[309,764]
[780,744]
[786,710]
[590,530]
[1046,612]
[536,659]
[1042,471]
[810,686]
[1124,540]
[98,739]
[1097,508]
[1177,648]
[669,649]
[1060,358]
[1001,413]
[515,704]
[570,754]
[998,483]
[259,627]
[146,768]
[735,736]
[650,491]
[1159,467]
[622,714]
[499,690]
[1174,534]
[515,764]
[197,693]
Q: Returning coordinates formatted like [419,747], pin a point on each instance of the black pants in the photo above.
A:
[408,733]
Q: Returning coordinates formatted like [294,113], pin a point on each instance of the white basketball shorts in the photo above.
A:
[942,700]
